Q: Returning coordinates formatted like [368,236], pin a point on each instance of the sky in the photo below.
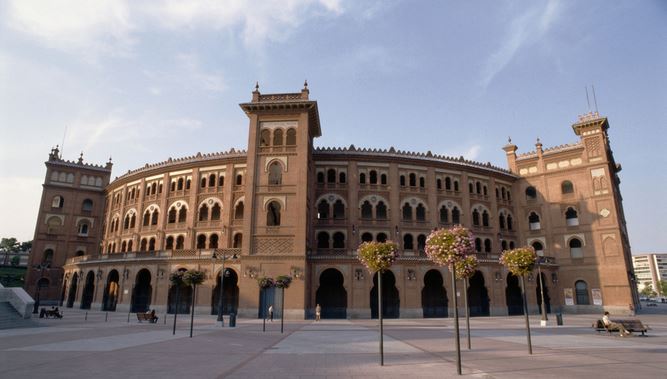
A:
[142,81]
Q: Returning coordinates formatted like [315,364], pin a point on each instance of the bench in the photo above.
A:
[631,325]
[52,313]
[146,317]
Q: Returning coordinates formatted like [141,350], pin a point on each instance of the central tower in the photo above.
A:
[279,181]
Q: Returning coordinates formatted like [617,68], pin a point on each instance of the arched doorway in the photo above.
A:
[184,298]
[547,299]
[111,292]
[141,293]
[230,301]
[478,295]
[391,304]
[331,294]
[434,295]
[71,295]
[63,293]
[513,296]
[88,291]
[268,296]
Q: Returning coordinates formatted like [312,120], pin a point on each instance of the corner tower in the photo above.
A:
[279,179]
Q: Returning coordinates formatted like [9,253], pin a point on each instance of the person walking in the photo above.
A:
[271,312]
[318,312]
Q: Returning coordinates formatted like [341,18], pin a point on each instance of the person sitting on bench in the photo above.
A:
[610,325]
[153,317]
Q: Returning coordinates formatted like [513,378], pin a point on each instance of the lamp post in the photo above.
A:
[41,267]
[222,288]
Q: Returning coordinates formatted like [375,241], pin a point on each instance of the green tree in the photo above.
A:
[648,290]
[662,287]
[15,261]
[7,247]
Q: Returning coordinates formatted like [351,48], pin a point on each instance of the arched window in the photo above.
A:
[373,177]
[366,237]
[182,214]
[567,187]
[320,177]
[534,221]
[413,180]
[421,243]
[502,193]
[408,242]
[123,247]
[322,240]
[475,217]
[180,240]
[273,214]
[575,248]
[503,245]
[211,180]
[179,185]
[153,188]
[448,183]
[383,179]
[169,243]
[151,244]
[129,245]
[126,223]
[331,176]
[381,211]
[278,137]
[485,218]
[571,217]
[381,237]
[154,217]
[444,215]
[338,209]
[341,177]
[147,218]
[201,241]
[239,180]
[402,180]
[531,193]
[422,182]
[366,210]
[215,212]
[501,221]
[87,205]
[456,216]
[407,212]
[238,241]
[264,137]
[143,244]
[202,183]
[83,228]
[57,202]
[221,181]
[421,212]
[509,222]
[497,193]
[213,241]
[478,187]
[133,220]
[478,245]
[438,183]
[456,186]
[323,209]
[539,249]
[581,290]
[187,184]
[339,240]
[471,187]
[173,186]
[362,178]
[275,174]
[511,245]
[47,257]
[238,211]
[487,245]
[291,137]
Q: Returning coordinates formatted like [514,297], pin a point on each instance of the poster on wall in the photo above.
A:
[597,296]
[569,296]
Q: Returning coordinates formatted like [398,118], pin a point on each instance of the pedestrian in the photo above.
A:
[614,326]
[318,312]
[271,313]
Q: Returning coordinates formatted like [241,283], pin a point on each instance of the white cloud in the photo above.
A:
[205,80]
[526,29]
[19,216]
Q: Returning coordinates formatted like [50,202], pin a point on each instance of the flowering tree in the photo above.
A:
[520,262]
[465,269]
[193,278]
[446,247]
[378,257]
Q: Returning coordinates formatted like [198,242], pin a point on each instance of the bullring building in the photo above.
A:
[285,207]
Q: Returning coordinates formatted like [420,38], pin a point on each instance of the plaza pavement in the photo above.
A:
[414,348]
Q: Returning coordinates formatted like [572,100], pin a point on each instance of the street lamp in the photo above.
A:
[222,288]
[41,267]
[543,318]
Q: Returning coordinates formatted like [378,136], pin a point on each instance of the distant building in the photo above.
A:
[285,207]
[650,268]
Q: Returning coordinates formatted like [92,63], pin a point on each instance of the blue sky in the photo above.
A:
[143,81]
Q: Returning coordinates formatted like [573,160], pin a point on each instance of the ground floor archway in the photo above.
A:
[434,295]
[331,294]
[391,303]
[141,293]
[538,292]
[88,291]
[478,295]
[71,295]
[513,297]
[110,297]
[230,294]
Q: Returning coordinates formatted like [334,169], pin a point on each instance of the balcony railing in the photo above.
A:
[204,254]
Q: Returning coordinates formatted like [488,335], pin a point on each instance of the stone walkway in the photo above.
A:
[332,348]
